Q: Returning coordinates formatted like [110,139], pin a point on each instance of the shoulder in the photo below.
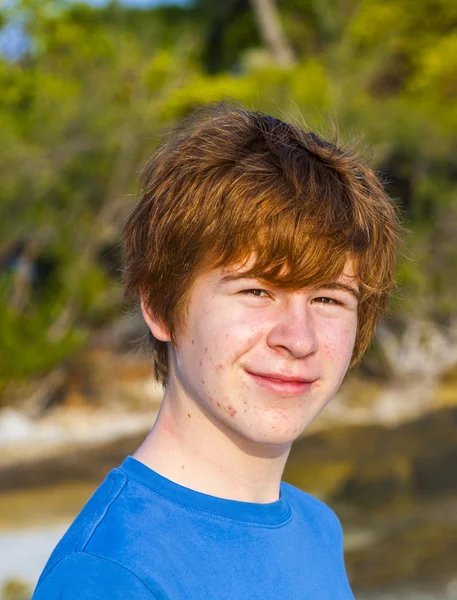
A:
[83,576]
[86,525]
[314,511]
[107,539]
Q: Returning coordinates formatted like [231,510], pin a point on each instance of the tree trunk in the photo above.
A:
[267,18]
[23,275]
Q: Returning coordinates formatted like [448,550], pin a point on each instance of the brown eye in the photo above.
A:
[325,300]
[256,292]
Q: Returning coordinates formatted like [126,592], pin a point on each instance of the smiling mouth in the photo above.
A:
[282,384]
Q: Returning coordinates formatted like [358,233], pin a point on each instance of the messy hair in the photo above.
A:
[232,186]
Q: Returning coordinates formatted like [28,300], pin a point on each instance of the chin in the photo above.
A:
[273,435]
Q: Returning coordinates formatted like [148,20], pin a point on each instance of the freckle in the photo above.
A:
[203,381]
[182,466]
[206,350]
[189,415]
[193,342]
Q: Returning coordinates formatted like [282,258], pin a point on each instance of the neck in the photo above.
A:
[192,448]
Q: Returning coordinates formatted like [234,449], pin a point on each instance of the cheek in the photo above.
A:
[227,336]
[212,349]
[338,345]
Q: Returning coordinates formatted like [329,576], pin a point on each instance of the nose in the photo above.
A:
[293,333]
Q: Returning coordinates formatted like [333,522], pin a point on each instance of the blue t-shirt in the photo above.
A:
[144,537]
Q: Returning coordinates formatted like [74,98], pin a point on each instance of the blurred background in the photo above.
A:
[87,90]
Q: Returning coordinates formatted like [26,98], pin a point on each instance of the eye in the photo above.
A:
[326,300]
[255,292]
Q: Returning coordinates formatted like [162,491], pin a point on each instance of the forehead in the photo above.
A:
[247,270]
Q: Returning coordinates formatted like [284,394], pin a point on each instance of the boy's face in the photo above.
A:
[262,361]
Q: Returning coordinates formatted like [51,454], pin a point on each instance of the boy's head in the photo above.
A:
[235,187]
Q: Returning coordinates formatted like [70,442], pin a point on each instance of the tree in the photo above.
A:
[268,21]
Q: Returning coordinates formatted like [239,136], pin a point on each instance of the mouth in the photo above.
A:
[283,385]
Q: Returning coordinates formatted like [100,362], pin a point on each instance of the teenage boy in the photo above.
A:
[262,256]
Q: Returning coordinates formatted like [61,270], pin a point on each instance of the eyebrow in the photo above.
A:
[333,285]
[236,277]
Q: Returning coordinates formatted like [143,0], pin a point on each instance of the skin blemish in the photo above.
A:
[245,410]
[206,350]
[203,381]
[227,408]
[182,466]
[219,368]
[189,415]
[245,401]
[193,341]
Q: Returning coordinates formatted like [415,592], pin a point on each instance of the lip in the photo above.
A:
[283,385]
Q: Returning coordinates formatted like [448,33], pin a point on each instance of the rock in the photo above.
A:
[396,485]
[419,551]
[89,463]
[374,466]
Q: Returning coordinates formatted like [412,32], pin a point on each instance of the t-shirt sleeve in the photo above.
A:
[83,576]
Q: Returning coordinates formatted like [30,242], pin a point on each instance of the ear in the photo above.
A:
[157,328]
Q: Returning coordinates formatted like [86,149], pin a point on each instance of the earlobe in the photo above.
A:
[157,328]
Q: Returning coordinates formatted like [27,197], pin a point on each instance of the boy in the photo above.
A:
[262,256]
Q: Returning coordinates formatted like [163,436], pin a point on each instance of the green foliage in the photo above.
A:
[84,107]
[15,589]
[27,343]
